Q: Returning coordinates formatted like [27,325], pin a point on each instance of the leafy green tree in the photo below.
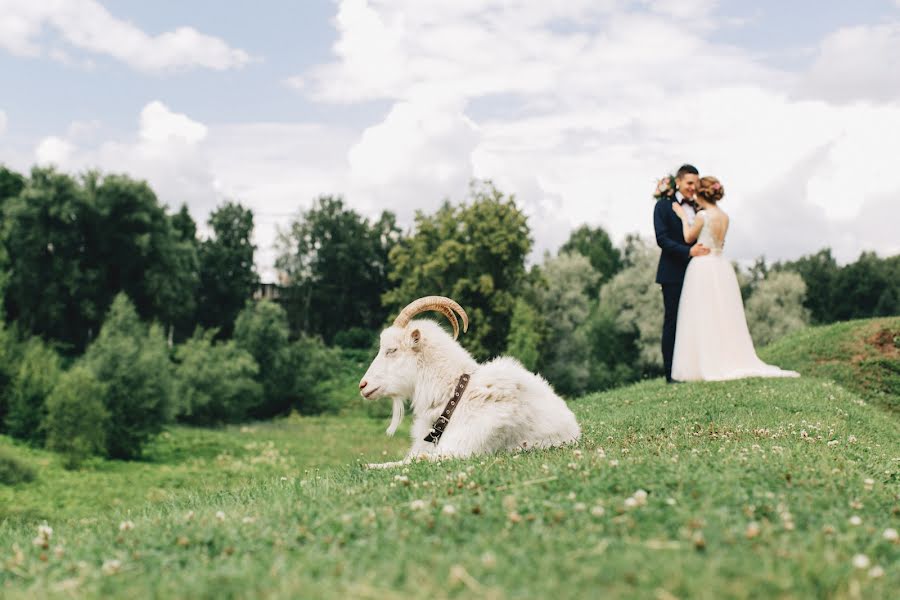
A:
[11,184]
[596,245]
[214,382]
[524,340]
[227,273]
[184,225]
[336,262]
[133,363]
[139,250]
[54,287]
[474,253]
[77,421]
[564,306]
[37,375]
[634,298]
[89,239]
[776,307]
[863,284]
[820,273]
[614,354]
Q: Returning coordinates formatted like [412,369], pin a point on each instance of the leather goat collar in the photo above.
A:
[437,430]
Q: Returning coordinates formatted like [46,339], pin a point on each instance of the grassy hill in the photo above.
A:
[748,489]
[863,356]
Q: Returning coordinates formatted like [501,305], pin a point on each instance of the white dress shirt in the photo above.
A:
[688,209]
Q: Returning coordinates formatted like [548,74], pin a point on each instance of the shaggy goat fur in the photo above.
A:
[504,407]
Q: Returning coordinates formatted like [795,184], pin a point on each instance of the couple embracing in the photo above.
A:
[705,335]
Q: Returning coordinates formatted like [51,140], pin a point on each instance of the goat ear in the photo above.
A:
[415,336]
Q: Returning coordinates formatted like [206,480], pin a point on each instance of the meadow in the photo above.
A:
[749,489]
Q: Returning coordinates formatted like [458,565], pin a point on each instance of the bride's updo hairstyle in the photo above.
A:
[710,189]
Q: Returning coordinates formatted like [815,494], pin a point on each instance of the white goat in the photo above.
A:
[503,406]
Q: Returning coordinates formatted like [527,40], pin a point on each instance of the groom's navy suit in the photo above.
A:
[673,262]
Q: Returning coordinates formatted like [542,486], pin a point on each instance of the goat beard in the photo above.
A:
[396,416]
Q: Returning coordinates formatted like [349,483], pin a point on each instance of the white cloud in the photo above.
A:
[273,168]
[160,125]
[578,120]
[54,151]
[87,25]
[853,63]
[295,82]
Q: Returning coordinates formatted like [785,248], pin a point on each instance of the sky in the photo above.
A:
[398,104]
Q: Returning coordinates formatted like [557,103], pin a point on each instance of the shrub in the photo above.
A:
[8,362]
[76,417]
[356,337]
[134,366]
[320,379]
[13,470]
[524,340]
[37,375]
[214,383]
[262,330]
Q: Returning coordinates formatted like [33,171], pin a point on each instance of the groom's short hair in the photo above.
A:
[686,170]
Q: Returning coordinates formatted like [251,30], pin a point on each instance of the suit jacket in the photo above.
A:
[676,253]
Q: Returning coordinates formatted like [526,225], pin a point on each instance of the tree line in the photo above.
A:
[120,318]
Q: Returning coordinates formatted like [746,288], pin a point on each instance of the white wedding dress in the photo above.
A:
[712,341]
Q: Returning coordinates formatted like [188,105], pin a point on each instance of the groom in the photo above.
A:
[675,254]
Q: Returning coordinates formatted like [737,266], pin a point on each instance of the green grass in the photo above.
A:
[862,355]
[189,462]
[713,458]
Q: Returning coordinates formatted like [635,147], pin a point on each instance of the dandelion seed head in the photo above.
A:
[861,561]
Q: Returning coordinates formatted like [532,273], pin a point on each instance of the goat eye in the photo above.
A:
[390,351]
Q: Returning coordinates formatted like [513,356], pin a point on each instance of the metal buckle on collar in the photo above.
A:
[440,424]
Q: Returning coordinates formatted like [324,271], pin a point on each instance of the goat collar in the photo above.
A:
[437,430]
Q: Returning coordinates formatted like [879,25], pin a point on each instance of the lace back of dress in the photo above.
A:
[712,235]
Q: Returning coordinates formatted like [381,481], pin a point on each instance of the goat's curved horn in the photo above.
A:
[441,304]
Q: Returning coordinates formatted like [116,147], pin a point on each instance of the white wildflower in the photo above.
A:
[220,515]
[861,561]
[126,526]
[855,520]
[876,572]
[598,511]
[111,567]
[417,504]
[449,510]
[869,483]
[890,534]
[579,507]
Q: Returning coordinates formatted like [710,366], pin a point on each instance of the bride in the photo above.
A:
[712,342]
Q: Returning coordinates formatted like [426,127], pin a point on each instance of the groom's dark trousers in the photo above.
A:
[673,261]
